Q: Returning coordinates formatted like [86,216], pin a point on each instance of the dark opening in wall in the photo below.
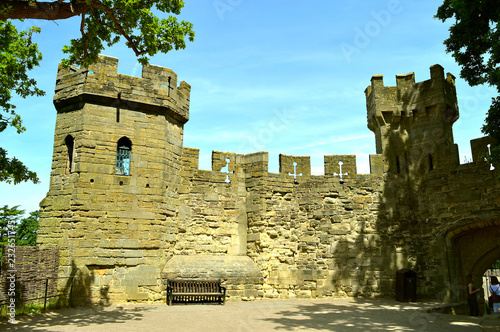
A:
[70,146]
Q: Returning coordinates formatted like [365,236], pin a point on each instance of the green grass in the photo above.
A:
[31,308]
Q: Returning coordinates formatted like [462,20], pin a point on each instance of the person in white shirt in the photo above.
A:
[495,293]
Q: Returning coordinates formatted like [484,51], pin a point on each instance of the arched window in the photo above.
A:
[123,151]
[70,146]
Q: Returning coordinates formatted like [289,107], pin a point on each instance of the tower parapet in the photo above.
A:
[156,90]
[412,121]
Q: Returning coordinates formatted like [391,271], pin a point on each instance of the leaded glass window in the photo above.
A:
[123,153]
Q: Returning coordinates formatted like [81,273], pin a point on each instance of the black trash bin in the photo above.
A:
[406,286]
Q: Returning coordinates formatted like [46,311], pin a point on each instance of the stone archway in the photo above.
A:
[472,247]
[485,262]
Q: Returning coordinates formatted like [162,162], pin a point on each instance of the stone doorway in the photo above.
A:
[471,248]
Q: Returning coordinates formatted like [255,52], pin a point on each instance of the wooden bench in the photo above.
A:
[194,290]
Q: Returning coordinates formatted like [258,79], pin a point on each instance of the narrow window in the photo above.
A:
[124,149]
[118,107]
[431,162]
[70,147]
[398,166]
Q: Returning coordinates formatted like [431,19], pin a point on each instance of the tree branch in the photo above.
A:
[56,10]
[120,28]
[92,11]
[84,36]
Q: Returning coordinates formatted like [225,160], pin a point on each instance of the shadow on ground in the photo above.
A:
[76,317]
[367,315]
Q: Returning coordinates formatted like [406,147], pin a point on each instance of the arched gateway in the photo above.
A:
[473,247]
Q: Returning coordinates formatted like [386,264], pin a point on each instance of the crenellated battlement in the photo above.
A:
[299,167]
[480,148]
[294,167]
[409,100]
[156,90]
[413,122]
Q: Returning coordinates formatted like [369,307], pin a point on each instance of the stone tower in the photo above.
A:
[113,198]
[413,122]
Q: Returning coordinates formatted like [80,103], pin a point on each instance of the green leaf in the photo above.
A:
[14,171]
[27,230]
[145,33]
[474,43]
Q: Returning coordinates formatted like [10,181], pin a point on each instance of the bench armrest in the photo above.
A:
[223,291]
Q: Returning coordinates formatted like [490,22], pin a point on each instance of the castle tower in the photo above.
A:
[413,122]
[112,203]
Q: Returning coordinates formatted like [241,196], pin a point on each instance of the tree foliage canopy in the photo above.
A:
[102,24]
[474,42]
[18,55]
[25,229]
[9,216]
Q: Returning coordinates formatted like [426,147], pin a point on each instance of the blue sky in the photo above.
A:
[282,76]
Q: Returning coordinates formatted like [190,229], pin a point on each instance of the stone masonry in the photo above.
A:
[266,235]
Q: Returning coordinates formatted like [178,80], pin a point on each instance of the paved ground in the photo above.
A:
[289,315]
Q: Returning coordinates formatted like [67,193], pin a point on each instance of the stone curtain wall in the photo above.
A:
[458,224]
[265,235]
[212,214]
[309,236]
[318,238]
[33,265]
[212,225]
